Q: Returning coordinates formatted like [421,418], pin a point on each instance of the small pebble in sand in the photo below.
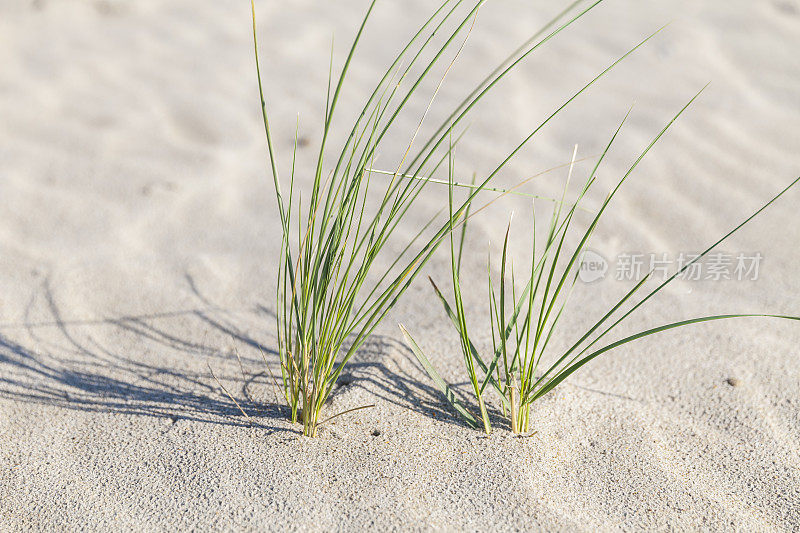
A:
[733,382]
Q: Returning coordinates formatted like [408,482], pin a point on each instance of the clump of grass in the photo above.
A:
[522,331]
[334,286]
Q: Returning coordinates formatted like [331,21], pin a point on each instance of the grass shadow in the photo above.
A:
[107,365]
[371,368]
[64,363]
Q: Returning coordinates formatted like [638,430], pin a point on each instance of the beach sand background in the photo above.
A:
[139,236]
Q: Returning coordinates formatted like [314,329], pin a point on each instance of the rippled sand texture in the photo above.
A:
[138,238]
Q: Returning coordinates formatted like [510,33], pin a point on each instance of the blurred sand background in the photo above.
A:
[138,240]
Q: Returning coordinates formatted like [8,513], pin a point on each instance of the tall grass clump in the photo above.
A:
[340,271]
[523,326]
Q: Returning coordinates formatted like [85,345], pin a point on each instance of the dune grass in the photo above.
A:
[343,263]
[521,332]
[337,229]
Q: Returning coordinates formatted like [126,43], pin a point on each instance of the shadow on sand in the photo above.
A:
[106,365]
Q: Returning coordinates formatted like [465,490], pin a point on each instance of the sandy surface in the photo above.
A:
[138,240]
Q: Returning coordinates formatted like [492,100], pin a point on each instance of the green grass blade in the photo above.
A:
[690,263]
[474,352]
[440,383]
[487,85]
[575,366]
[596,220]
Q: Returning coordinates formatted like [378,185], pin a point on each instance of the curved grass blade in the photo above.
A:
[440,383]
[572,368]
[597,219]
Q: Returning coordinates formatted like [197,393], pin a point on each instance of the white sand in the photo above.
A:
[138,241]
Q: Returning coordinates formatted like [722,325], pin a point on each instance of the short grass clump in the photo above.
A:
[340,270]
[523,326]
